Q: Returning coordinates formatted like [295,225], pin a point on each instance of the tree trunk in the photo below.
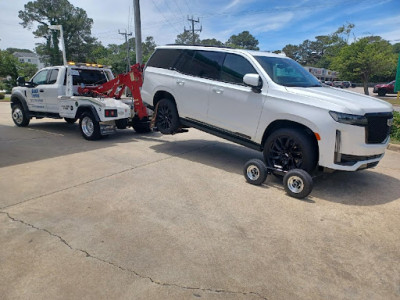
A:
[365,82]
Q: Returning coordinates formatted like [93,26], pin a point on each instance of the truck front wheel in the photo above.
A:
[89,127]
[19,116]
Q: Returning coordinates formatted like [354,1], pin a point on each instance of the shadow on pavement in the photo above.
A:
[46,140]
[363,188]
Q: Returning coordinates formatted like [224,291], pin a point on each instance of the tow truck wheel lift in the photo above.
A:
[114,88]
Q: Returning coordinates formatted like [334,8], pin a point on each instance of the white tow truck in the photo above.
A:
[83,92]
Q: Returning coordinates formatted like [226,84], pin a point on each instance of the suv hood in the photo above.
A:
[340,100]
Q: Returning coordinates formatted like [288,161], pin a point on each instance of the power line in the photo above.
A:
[164,16]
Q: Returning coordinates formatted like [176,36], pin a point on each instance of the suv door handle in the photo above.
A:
[218,90]
[41,91]
[180,82]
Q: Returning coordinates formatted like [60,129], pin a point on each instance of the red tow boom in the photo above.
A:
[114,89]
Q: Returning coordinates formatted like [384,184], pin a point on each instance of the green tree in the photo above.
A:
[8,65]
[365,58]
[396,48]
[76,25]
[148,47]
[186,38]
[320,52]
[26,70]
[243,40]
[212,42]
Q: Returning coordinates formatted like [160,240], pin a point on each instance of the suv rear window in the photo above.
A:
[164,58]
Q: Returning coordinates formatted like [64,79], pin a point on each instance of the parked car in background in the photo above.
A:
[338,84]
[346,84]
[385,88]
[327,82]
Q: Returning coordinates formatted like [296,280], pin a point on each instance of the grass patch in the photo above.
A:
[6,99]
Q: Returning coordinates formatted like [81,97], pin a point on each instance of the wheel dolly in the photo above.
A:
[296,182]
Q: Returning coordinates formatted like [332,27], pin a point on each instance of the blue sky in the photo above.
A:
[275,23]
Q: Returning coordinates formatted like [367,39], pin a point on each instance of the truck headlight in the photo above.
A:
[349,119]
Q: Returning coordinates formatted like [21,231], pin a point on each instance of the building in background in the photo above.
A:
[29,57]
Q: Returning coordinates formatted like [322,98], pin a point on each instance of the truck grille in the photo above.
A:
[377,129]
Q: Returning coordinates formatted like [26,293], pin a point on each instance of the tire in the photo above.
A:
[381,92]
[121,124]
[290,148]
[89,127]
[298,183]
[255,171]
[70,120]
[167,120]
[19,116]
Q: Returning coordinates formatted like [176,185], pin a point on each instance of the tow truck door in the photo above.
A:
[35,96]
[52,90]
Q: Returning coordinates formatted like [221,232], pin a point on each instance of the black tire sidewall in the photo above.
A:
[263,173]
[309,151]
[307,182]
[25,119]
[96,133]
[175,123]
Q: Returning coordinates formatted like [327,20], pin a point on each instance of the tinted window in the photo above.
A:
[185,60]
[53,76]
[164,58]
[41,77]
[235,67]
[206,64]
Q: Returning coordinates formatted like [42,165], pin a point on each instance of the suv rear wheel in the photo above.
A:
[167,120]
[290,148]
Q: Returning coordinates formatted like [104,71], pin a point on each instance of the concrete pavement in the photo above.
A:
[146,216]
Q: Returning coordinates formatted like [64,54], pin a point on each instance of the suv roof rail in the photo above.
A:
[199,45]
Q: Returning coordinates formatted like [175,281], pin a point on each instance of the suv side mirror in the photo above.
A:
[253,80]
[20,81]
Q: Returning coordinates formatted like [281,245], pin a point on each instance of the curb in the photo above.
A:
[394,147]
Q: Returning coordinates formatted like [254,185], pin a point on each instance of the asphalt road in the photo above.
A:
[146,216]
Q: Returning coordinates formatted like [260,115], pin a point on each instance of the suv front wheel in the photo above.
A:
[167,120]
[290,148]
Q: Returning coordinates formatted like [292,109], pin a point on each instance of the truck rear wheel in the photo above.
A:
[19,116]
[89,127]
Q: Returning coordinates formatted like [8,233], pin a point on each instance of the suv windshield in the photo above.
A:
[287,72]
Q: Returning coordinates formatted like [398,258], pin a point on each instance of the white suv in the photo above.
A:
[267,102]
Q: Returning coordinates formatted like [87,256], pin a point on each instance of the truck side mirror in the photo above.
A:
[20,81]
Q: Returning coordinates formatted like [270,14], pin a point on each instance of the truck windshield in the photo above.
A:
[287,72]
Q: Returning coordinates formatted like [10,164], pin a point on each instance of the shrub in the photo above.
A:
[395,134]
[2,96]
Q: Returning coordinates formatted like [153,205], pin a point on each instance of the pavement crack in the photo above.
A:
[152,280]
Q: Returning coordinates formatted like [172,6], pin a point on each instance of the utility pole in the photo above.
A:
[127,48]
[193,29]
[138,32]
